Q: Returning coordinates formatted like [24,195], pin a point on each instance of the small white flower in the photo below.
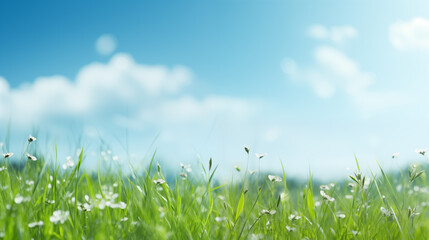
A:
[183,175]
[385,212]
[35,224]
[324,187]
[59,216]
[421,151]
[186,167]
[69,163]
[412,212]
[341,215]
[273,178]
[349,196]
[159,181]
[29,182]
[326,197]
[124,219]
[268,212]
[290,229]
[2,168]
[7,155]
[87,207]
[220,219]
[395,155]
[115,158]
[251,172]
[259,156]
[30,157]
[31,139]
[18,199]
[294,217]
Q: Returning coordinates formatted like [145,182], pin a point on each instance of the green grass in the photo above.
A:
[108,205]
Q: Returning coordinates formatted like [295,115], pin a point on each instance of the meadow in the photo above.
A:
[48,198]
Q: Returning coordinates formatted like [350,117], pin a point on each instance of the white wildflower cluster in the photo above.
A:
[86,206]
[59,216]
[387,213]
[290,229]
[326,197]
[294,217]
[35,224]
[30,184]
[69,163]
[220,219]
[20,199]
[109,199]
[107,155]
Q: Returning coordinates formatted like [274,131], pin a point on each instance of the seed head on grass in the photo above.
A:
[247,149]
[259,156]
[395,155]
[421,151]
[412,212]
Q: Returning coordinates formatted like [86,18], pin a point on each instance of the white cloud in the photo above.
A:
[336,34]
[120,92]
[409,35]
[334,71]
[105,44]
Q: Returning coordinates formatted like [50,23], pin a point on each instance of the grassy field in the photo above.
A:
[46,199]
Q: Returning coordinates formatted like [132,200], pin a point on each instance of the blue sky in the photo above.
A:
[307,82]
